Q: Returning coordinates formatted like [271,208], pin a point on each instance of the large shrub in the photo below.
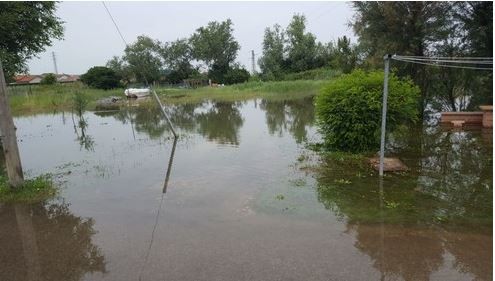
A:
[49,79]
[101,77]
[236,75]
[349,108]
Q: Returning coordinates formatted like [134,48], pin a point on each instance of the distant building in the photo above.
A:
[36,79]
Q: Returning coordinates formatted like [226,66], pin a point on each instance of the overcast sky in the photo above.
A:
[91,39]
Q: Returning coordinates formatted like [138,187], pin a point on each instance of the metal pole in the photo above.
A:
[164,113]
[9,139]
[253,65]
[55,63]
[384,112]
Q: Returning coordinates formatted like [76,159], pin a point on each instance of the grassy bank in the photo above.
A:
[244,91]
[45,98]
[48,98]
[33,190]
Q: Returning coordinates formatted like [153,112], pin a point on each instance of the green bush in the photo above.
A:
[49,79]
[236,75]
[79,102]
[101,77]
[348,109]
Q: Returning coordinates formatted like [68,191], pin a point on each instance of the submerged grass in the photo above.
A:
[33,190]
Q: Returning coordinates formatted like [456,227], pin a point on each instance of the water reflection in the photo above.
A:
[441,207]
[45,241]
[435,219]
[449,181]
[216,121]
[294,116]
[221,122]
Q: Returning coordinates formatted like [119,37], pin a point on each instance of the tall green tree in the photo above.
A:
[345,55]
[26,29]
[121,68]
[144,59]
[177,57]
[405,28]
[272,61]
[476,20]
[301,48]
[216,46]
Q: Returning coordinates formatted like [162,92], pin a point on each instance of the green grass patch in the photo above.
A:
[26,100]
[313,74]
[33,190]
[254,89]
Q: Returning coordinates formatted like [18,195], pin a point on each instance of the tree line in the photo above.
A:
[446,29]
[212,47]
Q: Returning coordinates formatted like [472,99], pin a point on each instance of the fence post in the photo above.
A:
[9,139]
[384,113]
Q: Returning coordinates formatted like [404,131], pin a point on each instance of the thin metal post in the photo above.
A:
[55,63]
[384,113]
[253,65]
[9,139]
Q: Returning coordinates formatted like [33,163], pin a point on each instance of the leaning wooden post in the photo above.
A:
[8,137]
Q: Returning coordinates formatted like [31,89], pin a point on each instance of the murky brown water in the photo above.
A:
[239,204]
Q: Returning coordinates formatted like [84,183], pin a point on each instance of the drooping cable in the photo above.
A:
[453,61]
[455,58]
[170,160]
[442,65]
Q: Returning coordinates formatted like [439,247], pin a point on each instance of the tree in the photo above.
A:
[144,59]
[405,28]
[301,49]
[101,77]
[324,54]
[49,79]
[177,56]
[476,20]
[236,74]
[121,68]
[272,61]
[344,55]
[216,46]
[26,29]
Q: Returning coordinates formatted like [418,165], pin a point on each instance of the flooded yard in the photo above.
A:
[244,199]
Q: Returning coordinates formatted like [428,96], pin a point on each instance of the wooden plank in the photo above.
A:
[9,139]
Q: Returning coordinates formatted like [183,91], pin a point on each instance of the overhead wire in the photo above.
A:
[114,23]
[170,160]
[438,57]
[441,65]
[460,61]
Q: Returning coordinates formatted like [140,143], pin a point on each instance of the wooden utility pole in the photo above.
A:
[8,137]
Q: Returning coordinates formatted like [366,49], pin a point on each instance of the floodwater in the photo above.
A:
[244,199]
